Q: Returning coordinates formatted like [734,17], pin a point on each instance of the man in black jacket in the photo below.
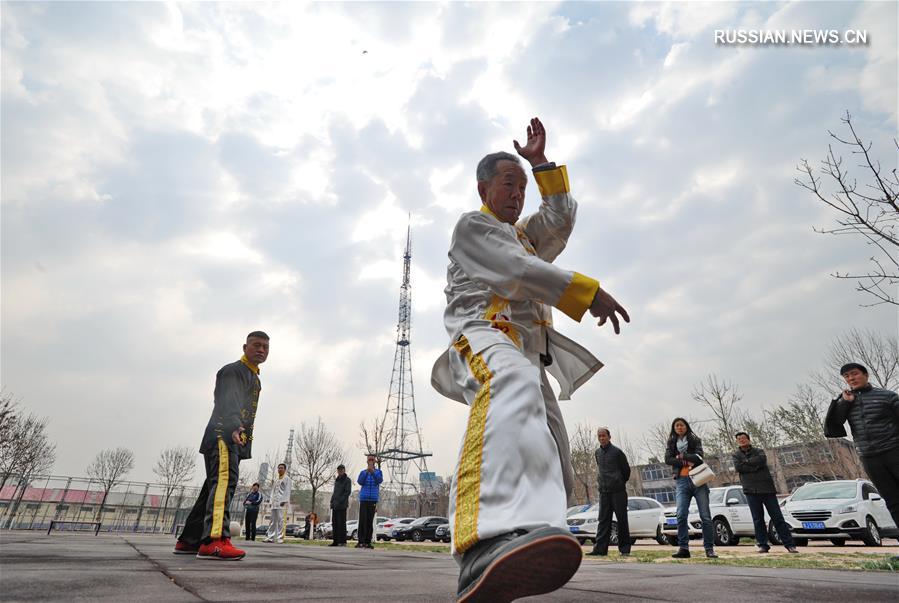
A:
[873,416]
[340,500]
[228,440]
[614,471]
[761,493]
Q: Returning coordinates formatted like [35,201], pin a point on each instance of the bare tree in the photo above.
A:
[583,463]
[801,419]
[174,467]
[373,436]
[108,468]
[869,211]
[317,452]
[655,440]
[878,352]
[7,415]
[26,449]
[630,448]
[722,399]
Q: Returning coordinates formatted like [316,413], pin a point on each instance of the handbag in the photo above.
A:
[701,474]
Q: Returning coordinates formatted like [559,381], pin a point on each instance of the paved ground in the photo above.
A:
[81,567]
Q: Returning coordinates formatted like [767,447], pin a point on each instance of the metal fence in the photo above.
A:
[128,507]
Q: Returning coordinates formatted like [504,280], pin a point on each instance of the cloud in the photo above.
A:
[175,176]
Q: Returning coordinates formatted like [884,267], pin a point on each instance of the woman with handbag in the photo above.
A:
[684,454]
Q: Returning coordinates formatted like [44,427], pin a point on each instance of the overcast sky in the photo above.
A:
[175,176]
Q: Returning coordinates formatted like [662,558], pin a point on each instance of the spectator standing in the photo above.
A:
[873,415]
[613,473]
[684,451]
[251,505]
[228,439]
[370,479]
[761,493]
[280,497]
[340,500]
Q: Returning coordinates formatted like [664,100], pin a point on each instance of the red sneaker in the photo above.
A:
[182,548]
[220,549]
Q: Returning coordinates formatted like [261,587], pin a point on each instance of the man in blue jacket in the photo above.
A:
[370,479]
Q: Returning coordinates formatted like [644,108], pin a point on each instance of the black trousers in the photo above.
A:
[210,517]
[366,520]
[250,523]
[612,502]
[883,469]
[338,525]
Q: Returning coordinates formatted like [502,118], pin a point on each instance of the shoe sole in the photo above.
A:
[217,558]
[515,575]
[184,552]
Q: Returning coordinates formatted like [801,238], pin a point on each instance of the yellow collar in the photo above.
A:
[249,364]
[489,211]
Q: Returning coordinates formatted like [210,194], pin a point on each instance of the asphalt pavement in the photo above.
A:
[137,568]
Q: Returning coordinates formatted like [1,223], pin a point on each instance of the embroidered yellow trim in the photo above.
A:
[221,488]
[496,312]
[578,296]
[249,364]
[468,477]
[552,182]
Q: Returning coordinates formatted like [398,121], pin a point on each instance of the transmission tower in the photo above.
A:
[288,455]
[402,443]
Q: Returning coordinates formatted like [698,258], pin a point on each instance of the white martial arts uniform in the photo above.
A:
[514,465]
[280,494]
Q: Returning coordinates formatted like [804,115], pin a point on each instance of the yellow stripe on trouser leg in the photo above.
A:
[468,479]
[221,490]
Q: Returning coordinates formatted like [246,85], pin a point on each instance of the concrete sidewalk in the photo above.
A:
[79,567]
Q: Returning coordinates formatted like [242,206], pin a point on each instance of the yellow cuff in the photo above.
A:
[578,296]
[552,182]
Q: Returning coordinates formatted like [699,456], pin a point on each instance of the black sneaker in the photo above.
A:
[710,553]
[762,549]
[518,564]
[681,554]
[596,554]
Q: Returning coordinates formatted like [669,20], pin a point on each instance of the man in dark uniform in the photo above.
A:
[614,471]
[228,440]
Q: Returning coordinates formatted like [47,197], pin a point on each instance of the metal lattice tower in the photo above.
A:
[288,454]
[402,448]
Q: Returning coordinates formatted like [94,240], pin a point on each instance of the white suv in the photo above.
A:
[838,511]
[730,516]
[642,518]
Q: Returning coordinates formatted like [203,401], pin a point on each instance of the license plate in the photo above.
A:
[574,528]
[671,522]
[813,525]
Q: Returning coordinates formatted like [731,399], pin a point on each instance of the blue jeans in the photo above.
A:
[757,505]
[686,491]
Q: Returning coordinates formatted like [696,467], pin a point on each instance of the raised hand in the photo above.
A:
[604,308]
[534,149]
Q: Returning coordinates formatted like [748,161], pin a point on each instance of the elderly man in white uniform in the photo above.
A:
[509,493]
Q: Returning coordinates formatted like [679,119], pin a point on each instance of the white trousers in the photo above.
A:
[509,473]
[276,527]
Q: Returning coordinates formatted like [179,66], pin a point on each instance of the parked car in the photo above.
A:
[294,529]
[352,526]
[420,529]
[262,530]
[576,509]
[643,518]
[386,527]
[442,533]
[323,530]
[730,515]
[838,511]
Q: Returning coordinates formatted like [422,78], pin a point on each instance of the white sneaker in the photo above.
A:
[269,539]
[280,541]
